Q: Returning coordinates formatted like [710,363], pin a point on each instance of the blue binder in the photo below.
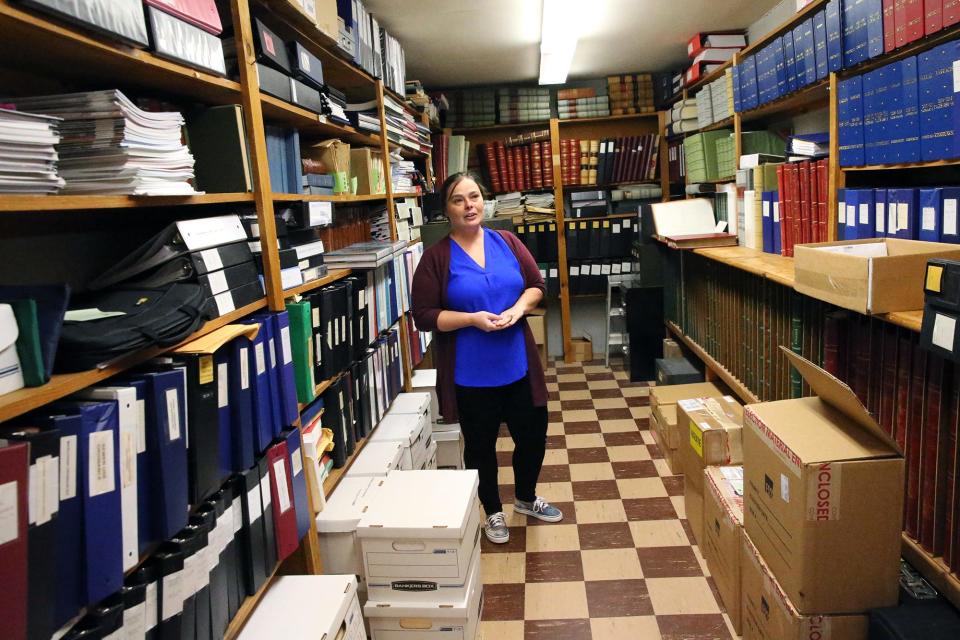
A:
[779,68]
[892,106]
[850,107]
[874,13]
[871,116]
[299,480]
[820,44]
[866,220]
[834,36]
[880,213]
[931,214]
[241,403]
[799,59]
[935,74]
[775,215]
[790,60]
[886,101]
[852,200]
[891,226]
[146,531]
[809,52]
[260,396]
[221,360]
[841,214]
[949,228]
[855,37]
[284,354]
[767,213]
[906,212]
[273,372]
[737,92]
[749,83]
[98,485]
[909,127]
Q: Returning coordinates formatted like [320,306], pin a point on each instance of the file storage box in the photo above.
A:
[449,448]
[425,381]
[337,526]
[378,459]
[307,607]
[412,403]
[430,462]
[409,429]
[419,534]
[456,620]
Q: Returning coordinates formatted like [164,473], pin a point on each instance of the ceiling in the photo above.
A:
[452,43]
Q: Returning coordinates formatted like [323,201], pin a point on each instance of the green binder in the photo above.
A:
[28,342]
[301,332]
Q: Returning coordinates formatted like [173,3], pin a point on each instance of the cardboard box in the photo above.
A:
[671,349]
[723,535]
[667,437]
[334,155]
[769,614]
[709,431]
[672,371]
[366,165]
[824,496]
[306,8]
[582,349]
[327,18]
[663,401]
[673,393]
[868,276]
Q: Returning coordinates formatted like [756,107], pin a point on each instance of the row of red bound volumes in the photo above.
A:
[915,396]
[905,21]
[517,168]
[802,191]
[615,160]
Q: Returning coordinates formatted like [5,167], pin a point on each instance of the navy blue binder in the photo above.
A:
[221,360]
[284,354]
[866,220]
[834,36]
[820,44]
[909,126]
[852,200]
[749,72]
[799,59]
[949,227]
[935,73]
[780,67]
[809,52]
[790,61]
[872,115]
[242,418]
[299,481]
[69,596]
[767,214]
[273,373]
[850,112]
[737,100]
[855,32]
[775,215]
[906,212]
[880,213]
[874,14]
[931,214]
[260,384]
[841,214]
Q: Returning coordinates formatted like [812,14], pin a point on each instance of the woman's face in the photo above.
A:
[465,205]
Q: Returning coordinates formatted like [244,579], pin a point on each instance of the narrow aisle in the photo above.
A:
[620,565]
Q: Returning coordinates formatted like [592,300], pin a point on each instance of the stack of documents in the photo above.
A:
[364,255]
[110,146]
[363,116]
[28,159]
[509,204]
[539,202]
[402,174]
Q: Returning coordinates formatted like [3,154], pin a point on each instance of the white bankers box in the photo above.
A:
[425,381]
[419,534]
[308,607]
[410,430]
[412,403]
[377,459]
[449,448]
[430,462]
[337,526]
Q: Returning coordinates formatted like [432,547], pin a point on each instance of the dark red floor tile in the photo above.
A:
[503,602]
[618,598]
[669,562]
[589,454]
[554,566]
[605,535]
[574,629]
[596,490]
[693,627]
[649,509]
[634,469]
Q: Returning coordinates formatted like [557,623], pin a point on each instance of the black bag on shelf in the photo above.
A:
[159,317]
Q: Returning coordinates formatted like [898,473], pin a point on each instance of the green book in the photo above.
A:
[796,343]
[218,143]
[301,333]
[28,342]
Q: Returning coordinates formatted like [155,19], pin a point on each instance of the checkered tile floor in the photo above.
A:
[620,565]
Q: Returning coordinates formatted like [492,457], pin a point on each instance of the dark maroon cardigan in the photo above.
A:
[429,298]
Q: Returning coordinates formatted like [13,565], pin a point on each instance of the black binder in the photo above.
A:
[350,327]
[169,560]
[270,48]
[570,234]
[269,528]
[203,420]
[147,576]
[107,615]
[230,498]
[211,606]
[134,595]
[251,533]
[333,419]
[583,239]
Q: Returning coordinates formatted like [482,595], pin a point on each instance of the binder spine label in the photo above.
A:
[211,259]
[265,497]
[237,515]
[172,601]
[128,459]
[950,216]
[9,508]
[280,474]
[261,358]
[150,607]
[253,506]
[244,369]
[223,385]
[296,459]
[271,347]
[68,467]
[51,487]
[100,468]
[141,426]
[173,414]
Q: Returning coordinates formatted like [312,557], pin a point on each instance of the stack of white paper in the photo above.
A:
[110,146]
[402,174]
[28,158]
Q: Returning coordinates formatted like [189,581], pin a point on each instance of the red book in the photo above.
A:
[546,152]
[932,16]
[823,192]
[14,480]
[889,26]
[834,342]
[951,13]
[860,360]
[502,167]
[930,446]
[527,166]
[908,18]
[654,160]
[519,179]
[901,408]
[796,199]
[490,162]
[511,175]
[888,381]
[814,202]
[782,204]
[913,453]
[804,169]
[281,489]
[945,512]
[617,157]
[536,165]
[875,372]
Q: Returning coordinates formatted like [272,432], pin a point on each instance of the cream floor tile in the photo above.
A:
[570,377]
[555,429]
[580,415]
[603,384]
[591,471]
[505,475]
[680,506]
[555,600]
[555,456]
[553,405]
[595,368]
[618,426]
[621,375]
[635,392]
[593,511]
[629,453]
[662,468]
[610,403]
[647,436]
[553,386]
[510,630]
[641,487]
[640,412]
[503,568]
[555,491]
[505,444]
[611,564]
[576,394]
[634,628]
[585,440]
[555,537]
[673,596]
[658,533]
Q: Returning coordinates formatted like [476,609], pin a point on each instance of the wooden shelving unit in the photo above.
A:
[346,198]
[83,203]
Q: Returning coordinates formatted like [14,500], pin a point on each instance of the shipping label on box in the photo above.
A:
[823,494]
[672,394]
[722,534]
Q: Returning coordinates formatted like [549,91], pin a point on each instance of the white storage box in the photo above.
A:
[305,607]
[378,459]
[449,449]
[425,381]
[419,534]
[430,463]
[441,426]
[417,403]
[429,621]
[411,430]
[337,526]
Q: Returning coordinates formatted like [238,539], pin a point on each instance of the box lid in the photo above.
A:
[423,378]
[377,458]
[301,607]
[671,394]
[345,506]
[410,403]
[431,503]
[446,436]
[401,427]
[668,414]
[727,484]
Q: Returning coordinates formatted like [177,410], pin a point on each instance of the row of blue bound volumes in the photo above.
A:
[901,112]
[928,214]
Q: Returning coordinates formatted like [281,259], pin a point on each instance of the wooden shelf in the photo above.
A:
[932,568]
[248,607]
[72,54]
[717,181]
[906,319]
[82,203]
[347,197]
[313,124]
[538,124]
[411,194]
[332,276]
[812,96]
[603,119]
[601,187]
[722,124]
[907,165]
[721,372]
[770,266]
[62,385]
[791,22]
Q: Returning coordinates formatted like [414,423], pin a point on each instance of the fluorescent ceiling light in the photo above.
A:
[559,30]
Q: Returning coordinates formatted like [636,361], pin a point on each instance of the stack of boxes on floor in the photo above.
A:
[803,539]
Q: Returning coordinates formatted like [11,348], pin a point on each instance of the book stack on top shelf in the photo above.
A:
[583,102]
[525,104]
[631,94]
